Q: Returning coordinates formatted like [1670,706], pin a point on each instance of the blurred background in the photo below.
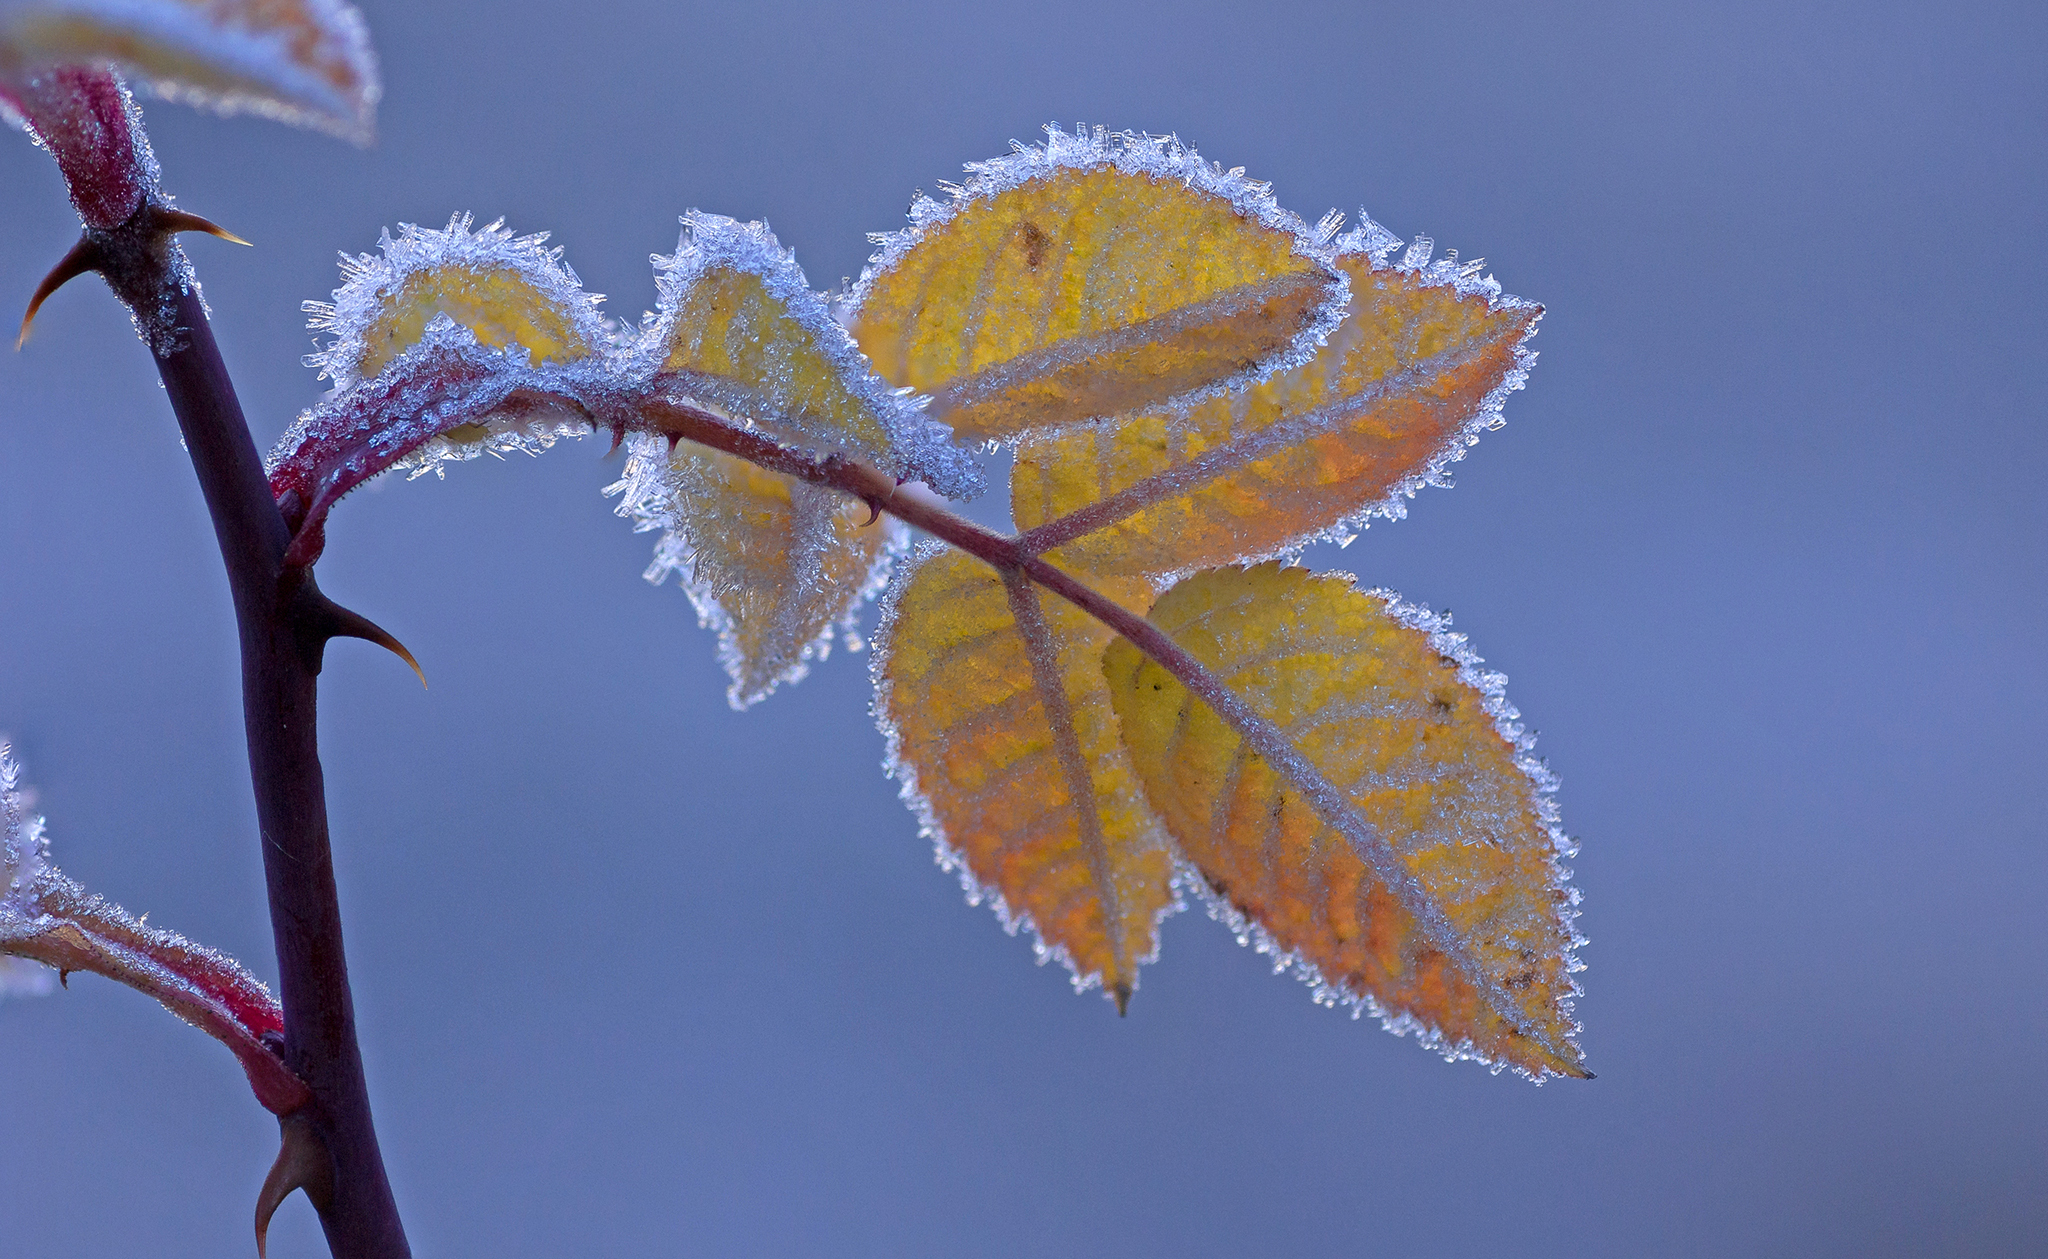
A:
[1761,550]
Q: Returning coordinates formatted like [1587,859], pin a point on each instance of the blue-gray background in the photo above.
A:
[1761,549]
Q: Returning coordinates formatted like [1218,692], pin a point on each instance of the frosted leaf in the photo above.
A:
[446,398]
[50,922]
[1421,365]
[777,567]
[506,289]
[1099,273]
[1001,733]
[1370,805]
[740,330]
[298,61]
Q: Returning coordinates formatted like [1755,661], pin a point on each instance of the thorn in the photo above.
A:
[302,1163]
[183,221]
[619,438]
[1123,1000]
[874,514]
[83,257]
[64,979]
[346,624]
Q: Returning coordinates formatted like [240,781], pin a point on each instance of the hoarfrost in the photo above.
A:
[771,625]
[373,283]
[1138,153]
[25,869]
[797,397]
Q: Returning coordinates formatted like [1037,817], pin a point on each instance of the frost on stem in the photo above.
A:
[50,926]
[451,343]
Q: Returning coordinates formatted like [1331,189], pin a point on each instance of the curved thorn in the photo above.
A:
[302,1163]
[342,623]
[83,257]
[184,221]
[874,514]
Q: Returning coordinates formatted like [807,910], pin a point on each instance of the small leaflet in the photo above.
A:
[1402,743]
[1094,275]
[49,925]
[778,567]
[1001,733]
[1421,365]
[507,290]
[306,62]
[740,331]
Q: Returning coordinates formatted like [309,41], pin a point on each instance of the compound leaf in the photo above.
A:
[778,567]
[1001,732]
[1402,848]
[299,61]
[1092,276]
[1420,366]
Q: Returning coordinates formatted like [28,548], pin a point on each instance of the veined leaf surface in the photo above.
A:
[778,567]
[741,331]
[300,61]
[1093,276]
[1384,705]
[1001,731]
[1420,365]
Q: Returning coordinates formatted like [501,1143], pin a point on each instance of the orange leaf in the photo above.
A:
[1001,733]
[1090,277]
[1420,365]
[1402,848]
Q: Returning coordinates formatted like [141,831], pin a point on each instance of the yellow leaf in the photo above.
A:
[1093,276]
[299,61]
[508,291]
[1001,732]
[1420,366]
[1398,755]
[776,566]
[741,330]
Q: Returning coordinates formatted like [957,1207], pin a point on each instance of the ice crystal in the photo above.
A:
[777,568]
[1158,157]
[790,365]
[484,270]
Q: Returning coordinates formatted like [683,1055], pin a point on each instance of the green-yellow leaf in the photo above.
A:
[778,567]
[509,291]
[1419,367]
[1093,276]
[741,331]
[1001,732]
[1399,755]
